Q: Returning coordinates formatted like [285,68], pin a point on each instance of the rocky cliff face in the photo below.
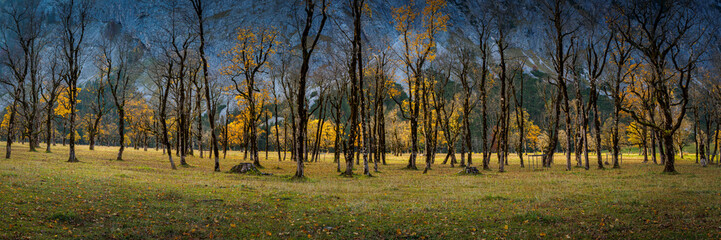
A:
[142,20]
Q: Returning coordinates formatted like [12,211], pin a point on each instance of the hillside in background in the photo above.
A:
[145,21]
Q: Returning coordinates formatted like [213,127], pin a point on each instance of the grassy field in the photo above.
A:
[44,197]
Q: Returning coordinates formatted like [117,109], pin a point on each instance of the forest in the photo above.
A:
[197,119]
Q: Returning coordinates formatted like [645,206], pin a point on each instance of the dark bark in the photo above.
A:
[653,147]
[659,31]
[163,109]
[353,100]
[582,123]
[559,34]
[661,147]
[72,96]
[198,7]
[503,126]
[50,98]
[199,116]
[484,50]
[121,133]
[596,127]
[716,146]
[553,130]
[267,135]
[74,20]
[307,50]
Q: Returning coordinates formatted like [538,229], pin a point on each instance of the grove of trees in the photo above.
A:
[636,74]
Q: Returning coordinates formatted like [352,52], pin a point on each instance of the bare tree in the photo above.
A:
[105,66]
[670,39]
[74,15]
[381,72]
[597,46]
[278,79]
[560,31]
[464,67]
[180,40]
[307,47]
[22,44]
[119,89]
[445,98]
[358,55]
[336,98]
[53,84]
[483,31]
[520,112]
[198,7]
[620,58]
[503,76]
[162,80]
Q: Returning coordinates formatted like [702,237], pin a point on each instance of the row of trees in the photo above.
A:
[362,97]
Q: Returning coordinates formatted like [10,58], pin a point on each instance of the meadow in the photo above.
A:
[44,197]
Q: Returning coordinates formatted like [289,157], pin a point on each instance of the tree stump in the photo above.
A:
[245,168]
[471,170]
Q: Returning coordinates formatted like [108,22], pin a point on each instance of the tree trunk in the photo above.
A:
[49,127]
[166,141]
[65,132]
[715,145]
[645,145]
[581,124]
[414,127]
[121,133]
[662,145]
[73,99]
[254,137]
[199,129]
[319,131]
[701,148]
[285,137]
[277,132]
[336,142]
[91,139]
[484,127]
[502,139]
[653,146]
[553,138]
[302,116]
[463,151]
[11,126]
[616,148]
[198,7]
[567,111]
[708,138]
[382,134]
[597,128]
[521,126]
[427,127]
[669,153]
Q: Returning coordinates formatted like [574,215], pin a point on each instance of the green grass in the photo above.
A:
[45,197]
